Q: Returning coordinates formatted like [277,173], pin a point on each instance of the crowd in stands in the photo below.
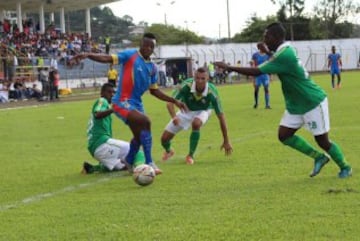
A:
[24,73]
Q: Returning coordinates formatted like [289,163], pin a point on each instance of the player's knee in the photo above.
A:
[196,124]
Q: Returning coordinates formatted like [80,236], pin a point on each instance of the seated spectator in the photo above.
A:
[35,92]
[4,91]
[19,89]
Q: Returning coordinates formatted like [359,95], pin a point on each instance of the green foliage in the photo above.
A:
[261,192]
[254,30]
[177,36]
[333,13]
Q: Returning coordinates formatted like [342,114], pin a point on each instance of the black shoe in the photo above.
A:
[87,168]
[255,106]
[267,107]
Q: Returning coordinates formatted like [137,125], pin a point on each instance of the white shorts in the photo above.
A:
[111,153]
[186,119]
[316,120]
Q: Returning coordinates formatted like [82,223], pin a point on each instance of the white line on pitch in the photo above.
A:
[42,196]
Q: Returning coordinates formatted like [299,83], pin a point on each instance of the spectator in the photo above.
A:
[162,73]
[54,81]
[4,91]
[175,74]
[44,79]
[112,75]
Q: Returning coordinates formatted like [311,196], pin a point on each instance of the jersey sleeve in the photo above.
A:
[101,104]
[122,57]
[277,64]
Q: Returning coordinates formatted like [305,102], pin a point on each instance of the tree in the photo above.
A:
[177,36]
[289,11]
[254,30]
[332,12]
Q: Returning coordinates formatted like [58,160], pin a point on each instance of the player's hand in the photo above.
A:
[77,58]
[227,147]
[221,65]
[182,106]
[176,121]
[263,48]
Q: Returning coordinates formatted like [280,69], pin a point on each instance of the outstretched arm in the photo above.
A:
[102,58]
[226,144]
[162,96]
[242,70]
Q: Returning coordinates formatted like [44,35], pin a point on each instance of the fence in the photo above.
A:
[90,73]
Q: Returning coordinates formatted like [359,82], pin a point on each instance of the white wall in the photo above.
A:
[312,53]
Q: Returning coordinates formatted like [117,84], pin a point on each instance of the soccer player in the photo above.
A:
[335,65]
[138,74]
[258,58]
[306,103]
[200,97]
[110,152]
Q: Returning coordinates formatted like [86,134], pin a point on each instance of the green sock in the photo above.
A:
[139,158]
[194,140]
[300,144]
[166,145]
[99,168]
[337,155]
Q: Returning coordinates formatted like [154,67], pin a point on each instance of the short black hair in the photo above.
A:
[277,30]
[149,35]
[105,86]
[201,70]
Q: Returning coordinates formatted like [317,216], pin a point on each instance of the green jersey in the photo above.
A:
[209,99]
[99,130]
[300,91]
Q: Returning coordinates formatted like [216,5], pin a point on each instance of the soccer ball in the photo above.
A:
[144,174]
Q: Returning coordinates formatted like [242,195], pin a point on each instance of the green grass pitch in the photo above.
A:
[261,192]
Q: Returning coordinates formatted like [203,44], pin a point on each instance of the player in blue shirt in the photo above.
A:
[335,65]
[263,79]
[137,75]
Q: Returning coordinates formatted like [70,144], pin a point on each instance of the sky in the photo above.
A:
[204,17]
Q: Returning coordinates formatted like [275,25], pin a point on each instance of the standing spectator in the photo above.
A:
[335,65]
[238,64]
[54,81]
[112,75]
[211,69]
[162,73]
[175,74]
[107,42]
[44,79]
[195,66]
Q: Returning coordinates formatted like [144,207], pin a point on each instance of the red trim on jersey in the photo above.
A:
[128,78]
[121,111]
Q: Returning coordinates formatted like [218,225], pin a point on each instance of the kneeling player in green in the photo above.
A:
[200,96]
[108,151]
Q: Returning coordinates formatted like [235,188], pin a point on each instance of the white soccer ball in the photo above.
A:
[144,175]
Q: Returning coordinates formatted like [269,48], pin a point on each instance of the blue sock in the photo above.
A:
[267,97]
[134,148]
[146,142]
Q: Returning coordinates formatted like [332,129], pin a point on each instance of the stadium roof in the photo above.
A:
[33,6]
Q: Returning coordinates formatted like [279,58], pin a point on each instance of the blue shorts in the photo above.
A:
[335,71]
[263,79]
